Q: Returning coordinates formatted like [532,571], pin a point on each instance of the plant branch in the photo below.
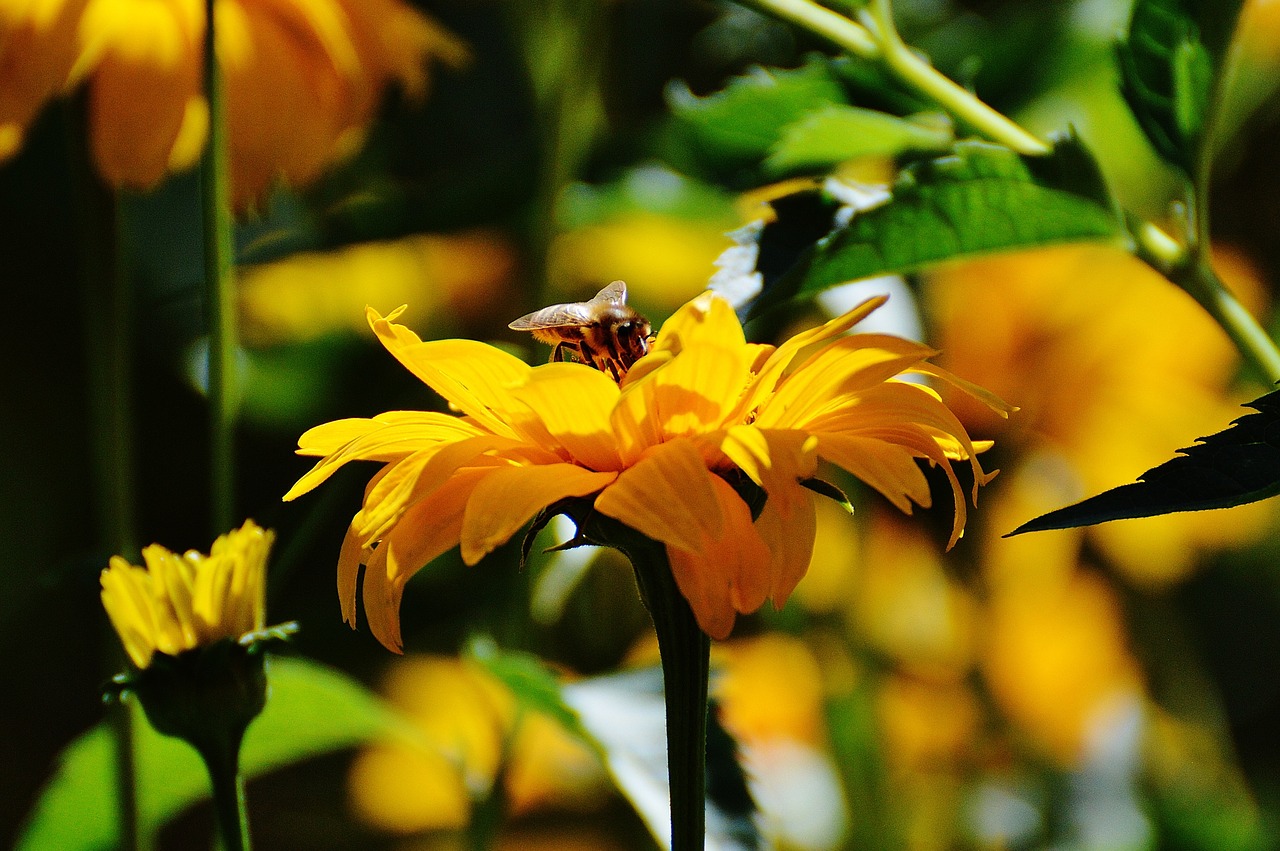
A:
[877,40]
[215,195]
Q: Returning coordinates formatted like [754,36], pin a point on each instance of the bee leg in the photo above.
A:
[557,353]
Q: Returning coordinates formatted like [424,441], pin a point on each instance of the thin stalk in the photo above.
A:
[685,651]
[223,763]
[879,42]
[107,299]
[215,192]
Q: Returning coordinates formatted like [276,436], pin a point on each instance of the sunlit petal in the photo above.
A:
[729,572]
[508,498]
[573,403]
[669,496]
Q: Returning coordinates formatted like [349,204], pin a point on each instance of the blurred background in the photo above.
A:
[1117,687]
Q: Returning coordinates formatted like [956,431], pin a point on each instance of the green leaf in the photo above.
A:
[978,199]
[838,132]
[1168,63]
[312,709]
[530,680]
[730,132]
[1232,467]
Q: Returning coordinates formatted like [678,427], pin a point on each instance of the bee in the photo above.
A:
[603,333]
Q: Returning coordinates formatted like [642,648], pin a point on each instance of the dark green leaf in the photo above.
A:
[1168,64]
[836,133]
[311,710]
[981,198]
[732,131]
[1235,466]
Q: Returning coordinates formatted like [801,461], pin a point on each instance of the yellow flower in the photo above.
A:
[476,736]
[651,452]
[303,77]
[181,602]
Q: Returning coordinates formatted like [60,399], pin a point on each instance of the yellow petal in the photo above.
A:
[791,354]
[694,393]
[775,459]
[394,443]
[889,468]
[789,525]
[709,318]
[728,572]
[474,377]
[830,377]
[508,498]
[138,94]
[573,403]
[414,478]
[329,437]
[669,496]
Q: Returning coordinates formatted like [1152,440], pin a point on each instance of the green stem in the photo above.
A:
[223,762]
[913,70]
[880,42]
[1249,337]
[107,299]
[220,291]
[685,651]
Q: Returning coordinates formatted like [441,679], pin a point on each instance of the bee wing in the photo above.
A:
[614,293]
[556,316]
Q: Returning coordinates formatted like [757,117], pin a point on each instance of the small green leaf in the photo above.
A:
[730,132]
[311,710]
[837,133]
[1168,64]
[1232,467]
[530,680]
[979,199]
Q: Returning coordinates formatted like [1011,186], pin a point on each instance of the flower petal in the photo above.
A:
[775,459]
[729,571]
[669,496]
[709,318]
[394,443]
[506,500]
[697,390]
[572,403]
[791,354]
[476,378]
[788,524]
[431,528]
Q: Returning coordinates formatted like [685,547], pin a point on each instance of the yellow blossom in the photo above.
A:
[302,77]
[1113,370]
[651,452]
[180,602]
[479,737]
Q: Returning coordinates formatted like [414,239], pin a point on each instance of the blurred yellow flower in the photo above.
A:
[303,78]
[475,735]
[311,294]
[1114,370]
[668,259]
[648,453]
[181,602]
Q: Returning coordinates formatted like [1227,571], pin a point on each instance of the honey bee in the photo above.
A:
[603,333]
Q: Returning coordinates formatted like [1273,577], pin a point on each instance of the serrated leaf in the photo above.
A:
[1168,63]
[979,199]
[312,709]
[1238,465]
[733,130]
[837,133]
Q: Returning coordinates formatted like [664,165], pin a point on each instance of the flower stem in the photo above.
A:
[220,290]
[685,650]
[107,302]
[878,41]
[223,762]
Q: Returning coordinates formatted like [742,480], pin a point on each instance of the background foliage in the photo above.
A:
[1118,687]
